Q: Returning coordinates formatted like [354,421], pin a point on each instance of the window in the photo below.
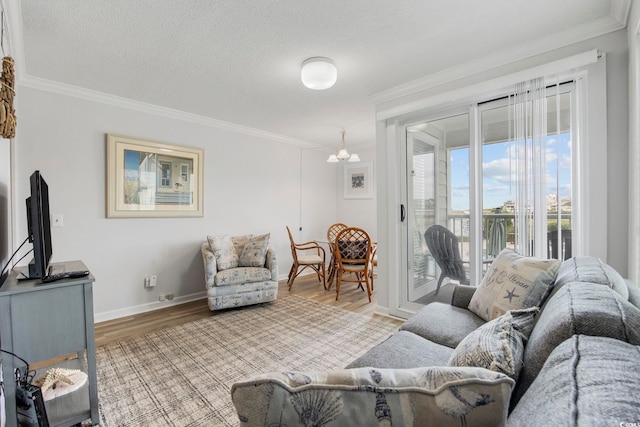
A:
[165,174]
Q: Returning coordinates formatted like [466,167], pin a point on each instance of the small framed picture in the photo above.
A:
[358,180]
[153,179]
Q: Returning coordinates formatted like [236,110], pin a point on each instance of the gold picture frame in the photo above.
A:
[153,179]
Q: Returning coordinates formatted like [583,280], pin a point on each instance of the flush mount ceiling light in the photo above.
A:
[343,154]
[318,73]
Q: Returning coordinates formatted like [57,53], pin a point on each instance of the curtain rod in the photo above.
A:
[507,96]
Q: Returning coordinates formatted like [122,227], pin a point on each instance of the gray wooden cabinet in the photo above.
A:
[44,321]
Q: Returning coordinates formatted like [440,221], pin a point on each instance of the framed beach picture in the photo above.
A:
[153,179]
[358,180]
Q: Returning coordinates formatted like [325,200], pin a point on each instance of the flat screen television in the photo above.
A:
[39,226]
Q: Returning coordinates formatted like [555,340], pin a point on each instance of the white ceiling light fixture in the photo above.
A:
[318,73]
[343,154]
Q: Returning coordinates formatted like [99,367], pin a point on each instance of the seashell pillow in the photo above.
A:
[435,396]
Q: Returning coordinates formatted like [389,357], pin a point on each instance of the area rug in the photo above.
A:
[181,376]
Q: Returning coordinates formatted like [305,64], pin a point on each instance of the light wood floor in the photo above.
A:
[351,299]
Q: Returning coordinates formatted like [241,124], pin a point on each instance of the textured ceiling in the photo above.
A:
[239,61]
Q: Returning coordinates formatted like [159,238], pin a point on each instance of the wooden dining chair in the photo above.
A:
[307,255]
[353,251]
[332,232]
[374,262]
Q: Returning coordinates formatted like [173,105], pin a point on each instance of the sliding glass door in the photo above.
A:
[526,177]
[436,161]
[516,152]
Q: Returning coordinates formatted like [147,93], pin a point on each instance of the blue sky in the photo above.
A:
[131,165]
[495,165]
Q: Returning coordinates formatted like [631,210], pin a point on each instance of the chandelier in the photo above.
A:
[343,154]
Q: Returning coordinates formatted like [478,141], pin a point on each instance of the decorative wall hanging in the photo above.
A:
[153,179]
[358,180]
[7,92]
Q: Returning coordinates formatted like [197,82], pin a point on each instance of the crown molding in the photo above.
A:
[121,102]
[14,23]
[14,20]
[551,68]
[616,20]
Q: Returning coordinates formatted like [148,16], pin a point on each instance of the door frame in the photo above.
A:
[414,293]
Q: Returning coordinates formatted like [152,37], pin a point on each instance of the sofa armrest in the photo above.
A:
[462,295]
[272,262]
[210,267]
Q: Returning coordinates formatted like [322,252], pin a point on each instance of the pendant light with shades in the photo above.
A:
[343,154]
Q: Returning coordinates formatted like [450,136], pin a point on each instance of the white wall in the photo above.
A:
[617,163]
[357,212]
[252,185]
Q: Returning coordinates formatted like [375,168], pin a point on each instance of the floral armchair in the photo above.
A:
[239,270]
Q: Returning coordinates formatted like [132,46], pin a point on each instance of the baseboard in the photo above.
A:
[384,311]
[143,308]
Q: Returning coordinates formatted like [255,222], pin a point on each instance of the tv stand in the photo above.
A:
[42,322]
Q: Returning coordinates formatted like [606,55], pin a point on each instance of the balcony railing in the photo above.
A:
[459,224]
[424,265]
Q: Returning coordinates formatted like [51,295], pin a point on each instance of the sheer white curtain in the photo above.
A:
[528,128]
[634,143]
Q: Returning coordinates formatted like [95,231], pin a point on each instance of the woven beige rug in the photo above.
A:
[181,376]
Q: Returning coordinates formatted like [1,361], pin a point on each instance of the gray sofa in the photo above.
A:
[579,367]
[580,362]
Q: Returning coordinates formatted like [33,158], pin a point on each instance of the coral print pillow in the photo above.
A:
[513,282]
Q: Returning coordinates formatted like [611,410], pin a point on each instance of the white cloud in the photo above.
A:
[498,170]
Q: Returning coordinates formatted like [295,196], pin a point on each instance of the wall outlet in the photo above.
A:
[150,281]
[161,297]
[169,297]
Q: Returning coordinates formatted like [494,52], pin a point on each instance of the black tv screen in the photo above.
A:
[39,225]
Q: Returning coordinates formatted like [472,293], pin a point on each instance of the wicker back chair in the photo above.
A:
[353,249]
[306,255]
[332,232]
